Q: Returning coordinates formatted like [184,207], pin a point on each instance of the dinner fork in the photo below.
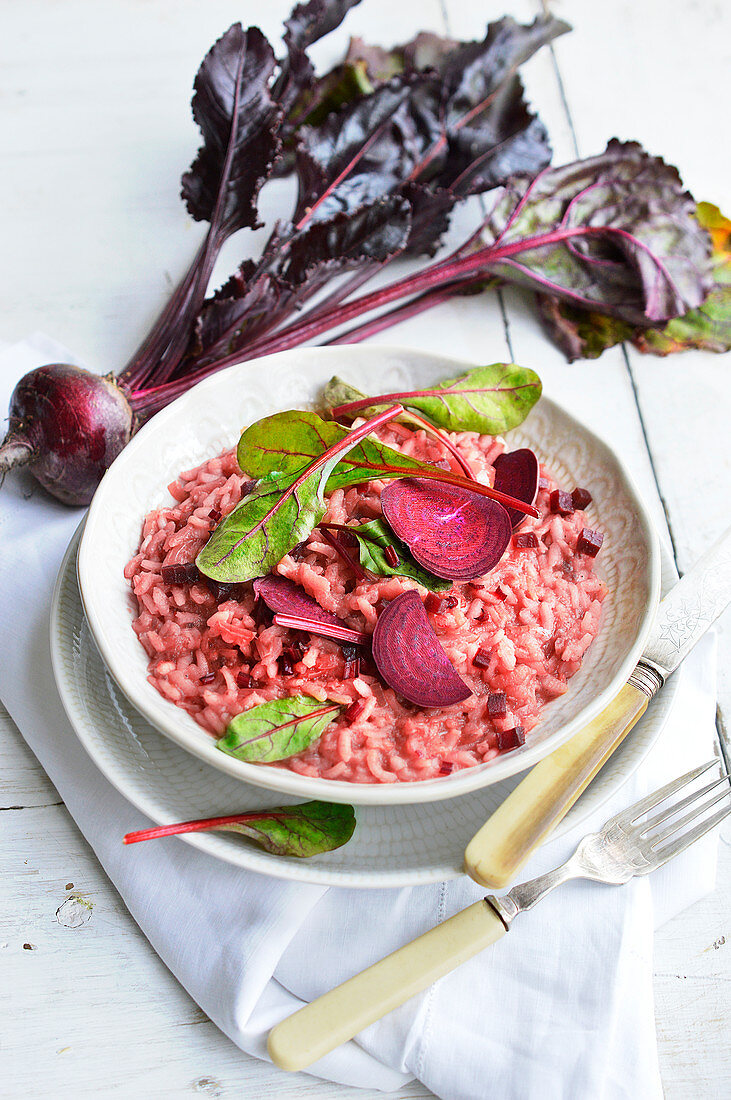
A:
[624,847]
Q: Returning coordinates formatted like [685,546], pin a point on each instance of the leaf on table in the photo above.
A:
[305,830]
[584,334]
[278,729]
[624,237]
[239,121]
[307,24]
[373,540]
[461,125]
[376,232]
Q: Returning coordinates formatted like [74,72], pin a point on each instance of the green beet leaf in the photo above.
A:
[278,729]
[301,831]
[373,539]
[288,441]
[489,400]
[282,509]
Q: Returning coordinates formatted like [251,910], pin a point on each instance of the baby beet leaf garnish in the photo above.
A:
[286,441]
[280,512]
[516,473]
[451,531]
[374,538]
[409,657]
[277,730]
[338,393]
[304,830]
[489,400]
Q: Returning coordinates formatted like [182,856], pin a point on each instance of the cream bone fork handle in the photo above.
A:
[539,802]
[623,848]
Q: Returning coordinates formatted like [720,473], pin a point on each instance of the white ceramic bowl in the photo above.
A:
[210,418]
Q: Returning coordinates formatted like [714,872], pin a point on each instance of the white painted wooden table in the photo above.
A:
[94,132]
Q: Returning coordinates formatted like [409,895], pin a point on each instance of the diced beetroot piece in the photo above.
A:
[561,503]
[543,483]
[497,706]
[209,678]
[285,665]
[477,587]
[214,514]
[511,739]
[261,614]
[445,768]
[481,659]
[391,556]
[244,680]
[449,602]
[589,542]
[247,487]
[528,541]
[354,711]
[498,593]
[434,603]
[298,552]
[180,574]
[581,498]
[352,669]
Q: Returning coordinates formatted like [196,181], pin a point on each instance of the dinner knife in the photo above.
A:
[551,787]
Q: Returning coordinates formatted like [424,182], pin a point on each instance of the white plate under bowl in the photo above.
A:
[392,845]
[210,417]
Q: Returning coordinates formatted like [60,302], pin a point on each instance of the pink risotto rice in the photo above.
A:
[535,615]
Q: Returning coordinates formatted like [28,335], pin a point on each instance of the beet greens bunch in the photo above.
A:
[383,148]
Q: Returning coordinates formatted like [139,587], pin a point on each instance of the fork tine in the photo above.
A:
[675,807]
[676,847]
[639,808]
[675,827]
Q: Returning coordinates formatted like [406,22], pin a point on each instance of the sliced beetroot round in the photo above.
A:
[516,473]
[284,597]
[452,532]
[411,660]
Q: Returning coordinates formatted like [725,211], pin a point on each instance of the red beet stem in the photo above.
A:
[195,826]
[341,633]
[446,443]
[361,573]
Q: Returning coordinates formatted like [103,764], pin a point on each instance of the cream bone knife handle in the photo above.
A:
[549,790]
[337,1016]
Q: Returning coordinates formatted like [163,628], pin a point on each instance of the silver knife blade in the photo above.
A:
[691,607]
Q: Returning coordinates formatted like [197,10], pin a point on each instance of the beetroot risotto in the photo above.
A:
[393,711]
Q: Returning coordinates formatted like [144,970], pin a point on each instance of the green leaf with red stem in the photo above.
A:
[304,830]
[289,439]
[337,392]
[281,511]
[490,400]
[278,729]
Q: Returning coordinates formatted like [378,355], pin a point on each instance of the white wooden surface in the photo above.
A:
[95,131]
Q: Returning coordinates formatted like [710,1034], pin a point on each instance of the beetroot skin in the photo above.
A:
[67,426]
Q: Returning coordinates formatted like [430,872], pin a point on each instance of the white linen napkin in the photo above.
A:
[561,1008]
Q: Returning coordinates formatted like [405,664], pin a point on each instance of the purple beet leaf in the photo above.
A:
[452,532]
[411,660]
